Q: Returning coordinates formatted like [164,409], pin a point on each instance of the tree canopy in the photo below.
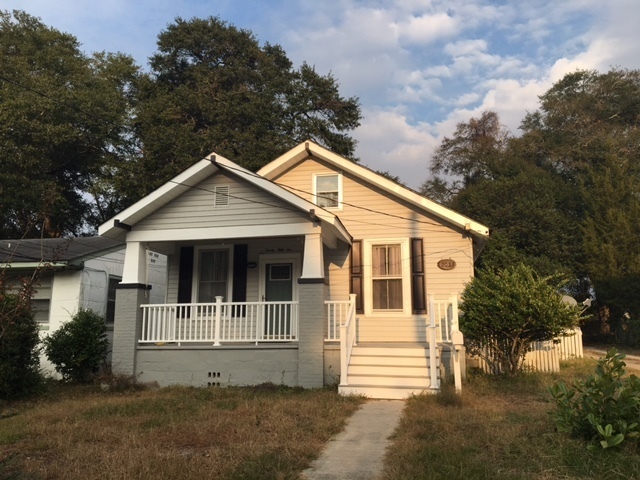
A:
[213,87]
[565,195]
[62,116]
[82,137]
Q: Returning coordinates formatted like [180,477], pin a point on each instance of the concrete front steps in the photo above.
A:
[388,371]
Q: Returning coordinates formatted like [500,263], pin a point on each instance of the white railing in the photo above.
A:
[220,322]
[444,314]
[347,339]
[337,312]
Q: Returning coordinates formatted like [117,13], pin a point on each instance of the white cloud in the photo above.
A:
[427,28]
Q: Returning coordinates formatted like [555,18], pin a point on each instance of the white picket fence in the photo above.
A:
[546,356]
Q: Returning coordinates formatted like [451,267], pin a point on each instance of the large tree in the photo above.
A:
[62,119]
[565,195]
[213,87]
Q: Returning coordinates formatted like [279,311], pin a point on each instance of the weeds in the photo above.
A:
[171,433]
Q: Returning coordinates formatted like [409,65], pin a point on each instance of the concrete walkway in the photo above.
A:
[357,452]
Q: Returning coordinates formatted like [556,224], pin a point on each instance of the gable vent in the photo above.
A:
[221,196]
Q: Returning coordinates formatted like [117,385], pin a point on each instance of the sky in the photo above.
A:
[419,67]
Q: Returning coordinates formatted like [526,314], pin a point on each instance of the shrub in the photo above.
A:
[79,347]
[19,339]
[605,408]
[507,310]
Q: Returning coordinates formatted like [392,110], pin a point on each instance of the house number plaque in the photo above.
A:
[447,264]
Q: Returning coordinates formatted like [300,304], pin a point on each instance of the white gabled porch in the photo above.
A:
[395,370]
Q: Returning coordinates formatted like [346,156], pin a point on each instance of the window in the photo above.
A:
[213,279]
[111,300]
[386,276]
[221,196]
[328,190]
[40,309]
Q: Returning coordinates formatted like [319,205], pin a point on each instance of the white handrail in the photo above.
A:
[347,340]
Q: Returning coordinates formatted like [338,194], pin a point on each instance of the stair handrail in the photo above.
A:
[433,346]
[347,339]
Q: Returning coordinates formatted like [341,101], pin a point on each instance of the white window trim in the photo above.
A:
[196,270]
[315,188]
[368,276]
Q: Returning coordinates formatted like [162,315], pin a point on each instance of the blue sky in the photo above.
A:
[418,66]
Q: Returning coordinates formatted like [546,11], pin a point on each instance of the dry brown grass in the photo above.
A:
[79,433]
[498,429]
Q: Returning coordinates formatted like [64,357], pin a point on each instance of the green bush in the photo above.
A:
[507,310]
[19,339]
[605,408]
[79,347]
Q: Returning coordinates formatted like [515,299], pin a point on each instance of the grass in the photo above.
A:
[265,432]
[498,429]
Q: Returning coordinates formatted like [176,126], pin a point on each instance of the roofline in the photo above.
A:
[309,148]
[34,265]
[117,226]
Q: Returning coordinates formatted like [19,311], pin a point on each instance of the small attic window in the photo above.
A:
[221,196]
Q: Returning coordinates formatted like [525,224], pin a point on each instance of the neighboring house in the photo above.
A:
[312,270]
[75,273]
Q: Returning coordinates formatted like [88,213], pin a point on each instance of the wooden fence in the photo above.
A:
[546,356]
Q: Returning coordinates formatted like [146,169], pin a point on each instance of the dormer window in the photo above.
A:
[328,190]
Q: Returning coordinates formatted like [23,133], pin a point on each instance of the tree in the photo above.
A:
[213,87]
[587,130]
[61,120]
[19,339]
[468,157]
[505,311]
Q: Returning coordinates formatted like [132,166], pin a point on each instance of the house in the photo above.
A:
[314,269]
[75,273]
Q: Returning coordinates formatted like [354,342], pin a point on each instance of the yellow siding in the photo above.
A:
[370,213]
[248,205]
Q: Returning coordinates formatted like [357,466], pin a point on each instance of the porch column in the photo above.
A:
[313,261]
[131,293]
[127,327]
[311,333]
[135,263]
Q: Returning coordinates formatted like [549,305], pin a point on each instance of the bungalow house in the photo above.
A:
[74,274]
[314,269]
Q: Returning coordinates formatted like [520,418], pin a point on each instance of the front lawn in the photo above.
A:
[499,429]
[263,432]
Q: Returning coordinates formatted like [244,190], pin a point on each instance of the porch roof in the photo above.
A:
[118,226]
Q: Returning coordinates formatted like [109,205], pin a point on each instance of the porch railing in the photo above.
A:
[220,322]
[443,313]
[337,314]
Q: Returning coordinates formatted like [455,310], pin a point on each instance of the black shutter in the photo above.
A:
[240,273]
[418,297]
[355,270]
[185,275]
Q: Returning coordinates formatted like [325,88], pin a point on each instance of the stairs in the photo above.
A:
[389,371]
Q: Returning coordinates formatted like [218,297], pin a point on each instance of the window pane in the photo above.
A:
[327,199]
[214,269]
[327,183]
[394,261]
[394,289]
[379,260]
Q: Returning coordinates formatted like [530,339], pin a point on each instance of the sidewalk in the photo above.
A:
[358,451]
